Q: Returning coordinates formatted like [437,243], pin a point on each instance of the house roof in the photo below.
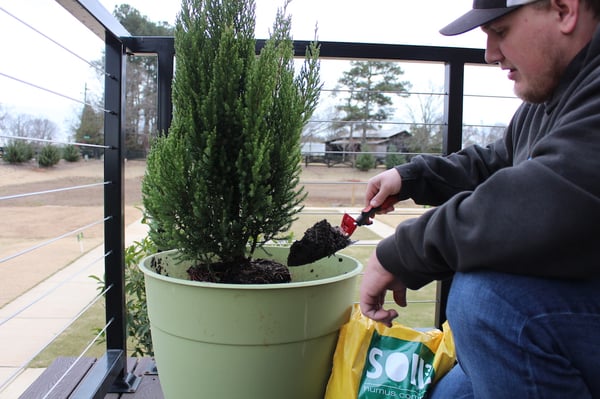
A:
[356,140]
[373,136]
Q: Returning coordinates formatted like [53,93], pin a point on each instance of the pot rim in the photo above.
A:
[327,280]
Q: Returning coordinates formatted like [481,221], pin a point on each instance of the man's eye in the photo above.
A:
[501,32]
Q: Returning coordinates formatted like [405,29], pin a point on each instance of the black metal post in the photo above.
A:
[109,373]
[453,106]
[452,135]
[165,84]
[114,209]
[114,230]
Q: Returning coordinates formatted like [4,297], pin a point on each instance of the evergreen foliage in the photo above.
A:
[49,156]
[368,87]
[18,152]
[138,324]
[392,159]
[71,153]
[365,160]
[225,179]
[91,130]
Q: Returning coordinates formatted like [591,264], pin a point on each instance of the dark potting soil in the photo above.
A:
[255,271]
[319,241]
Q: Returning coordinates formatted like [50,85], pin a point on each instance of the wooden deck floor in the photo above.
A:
[149,386]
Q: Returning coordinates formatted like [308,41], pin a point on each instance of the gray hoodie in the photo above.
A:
[527,204]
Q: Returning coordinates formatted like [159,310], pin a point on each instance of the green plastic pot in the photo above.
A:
[262,341]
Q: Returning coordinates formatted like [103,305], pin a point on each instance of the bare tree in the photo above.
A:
[41,128]
[482,135]
[3,118]
[426,119]
[25,126]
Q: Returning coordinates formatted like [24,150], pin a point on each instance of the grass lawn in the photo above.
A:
[76,338]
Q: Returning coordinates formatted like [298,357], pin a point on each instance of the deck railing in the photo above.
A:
[110,372]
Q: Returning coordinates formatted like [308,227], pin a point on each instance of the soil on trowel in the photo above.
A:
[255,271]
[319,241]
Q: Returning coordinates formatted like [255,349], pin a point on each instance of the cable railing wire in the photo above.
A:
[398,92]
[52,290]
[53,41]
[53,240]
[23,138]
[57,190]
[54,92]
[419,93]
[375,122]
[331,152]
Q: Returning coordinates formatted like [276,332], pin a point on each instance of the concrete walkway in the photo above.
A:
[53,305]
[50,308]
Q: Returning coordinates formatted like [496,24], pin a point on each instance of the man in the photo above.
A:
[517,224]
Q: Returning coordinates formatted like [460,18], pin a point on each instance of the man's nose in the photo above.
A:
[493,55]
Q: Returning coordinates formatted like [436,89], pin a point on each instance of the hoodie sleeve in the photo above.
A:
[540,217]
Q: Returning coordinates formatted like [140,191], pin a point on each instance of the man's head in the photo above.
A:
[534,40]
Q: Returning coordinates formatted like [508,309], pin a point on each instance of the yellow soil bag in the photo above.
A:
[372,361]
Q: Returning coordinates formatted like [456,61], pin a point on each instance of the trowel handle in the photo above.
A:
[366,214]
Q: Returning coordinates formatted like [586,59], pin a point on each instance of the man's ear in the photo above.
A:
[567,12]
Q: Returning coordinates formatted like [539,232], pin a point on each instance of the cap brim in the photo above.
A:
[473,19]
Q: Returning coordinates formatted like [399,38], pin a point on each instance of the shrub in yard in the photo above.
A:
[71,153]
[364,161]
[18,152]
[392,159]
[49,156]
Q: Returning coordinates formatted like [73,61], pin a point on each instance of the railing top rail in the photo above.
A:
[341,50]
[385,51]
[93,15]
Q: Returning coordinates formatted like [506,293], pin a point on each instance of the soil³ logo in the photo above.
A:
[395,368]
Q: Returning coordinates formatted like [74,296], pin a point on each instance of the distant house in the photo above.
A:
[378,141]
[313,148]
[313,151]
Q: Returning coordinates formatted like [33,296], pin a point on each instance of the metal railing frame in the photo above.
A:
[110,372]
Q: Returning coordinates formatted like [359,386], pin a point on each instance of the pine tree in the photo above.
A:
[368,87]
[90,129]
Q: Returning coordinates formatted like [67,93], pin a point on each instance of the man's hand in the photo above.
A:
[375,283]
[381,186]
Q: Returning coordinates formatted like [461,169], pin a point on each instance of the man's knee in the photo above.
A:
[479,303]
[470,295]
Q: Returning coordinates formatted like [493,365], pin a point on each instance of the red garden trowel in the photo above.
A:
[323,240]
[349,224]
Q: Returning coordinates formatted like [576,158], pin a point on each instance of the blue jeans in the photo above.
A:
[523,337]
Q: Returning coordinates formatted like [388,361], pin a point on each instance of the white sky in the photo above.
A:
[30,57]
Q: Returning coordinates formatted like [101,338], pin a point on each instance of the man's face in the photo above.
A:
[525,43]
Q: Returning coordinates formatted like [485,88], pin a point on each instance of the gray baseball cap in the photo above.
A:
[483,11]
